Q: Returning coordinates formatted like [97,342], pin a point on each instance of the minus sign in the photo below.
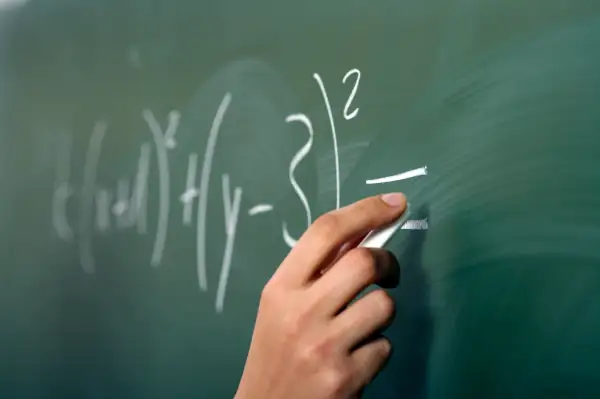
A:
[260,208]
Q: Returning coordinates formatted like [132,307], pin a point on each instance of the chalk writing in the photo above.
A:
[303,152]
[351,72]
[191,192]
[103,201]
[62,189]
[130,210]
[402,176]
[231,217]
[162,141]
[415,225]
[260,208]
[123,205]
[203,194]
[140,193]
[336,156]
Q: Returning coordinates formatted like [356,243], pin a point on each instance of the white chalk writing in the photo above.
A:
[303,152]
[231,218]
[124,204]
[203,194]
[162,142]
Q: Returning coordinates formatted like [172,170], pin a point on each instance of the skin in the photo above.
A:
[309,341]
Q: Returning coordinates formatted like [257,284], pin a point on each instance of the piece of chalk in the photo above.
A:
[379,237]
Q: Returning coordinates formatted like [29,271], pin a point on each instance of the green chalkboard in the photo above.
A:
[159,158]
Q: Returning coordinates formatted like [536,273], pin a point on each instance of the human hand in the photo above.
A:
[309,341]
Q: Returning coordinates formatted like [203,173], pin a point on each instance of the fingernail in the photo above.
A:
[394,199]
[387,346]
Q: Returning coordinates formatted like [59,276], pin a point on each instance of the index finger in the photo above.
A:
[332,230]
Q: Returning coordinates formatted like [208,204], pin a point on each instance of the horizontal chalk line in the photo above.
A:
[402,176]
[415,225]
[260,208]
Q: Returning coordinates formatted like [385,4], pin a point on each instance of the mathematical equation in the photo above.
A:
[125,206]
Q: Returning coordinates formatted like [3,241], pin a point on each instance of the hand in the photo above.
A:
[309,342]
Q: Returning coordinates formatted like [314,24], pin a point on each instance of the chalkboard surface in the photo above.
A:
[159,158]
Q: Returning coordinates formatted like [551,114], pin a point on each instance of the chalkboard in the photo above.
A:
[159,158]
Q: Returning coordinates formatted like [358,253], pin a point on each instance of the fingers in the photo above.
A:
[355,271]
[326,235]
[307,341]
[335,256]
[368,361]
[364,318]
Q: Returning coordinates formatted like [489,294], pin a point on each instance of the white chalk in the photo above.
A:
[402,176]
[379,237]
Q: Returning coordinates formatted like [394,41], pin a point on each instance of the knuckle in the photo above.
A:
[334,382]
[291,325]
[372,206]
[269,293]
[326,225]
[318,352]
[321,349]
[326,346]
[364,261]
[310,356]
